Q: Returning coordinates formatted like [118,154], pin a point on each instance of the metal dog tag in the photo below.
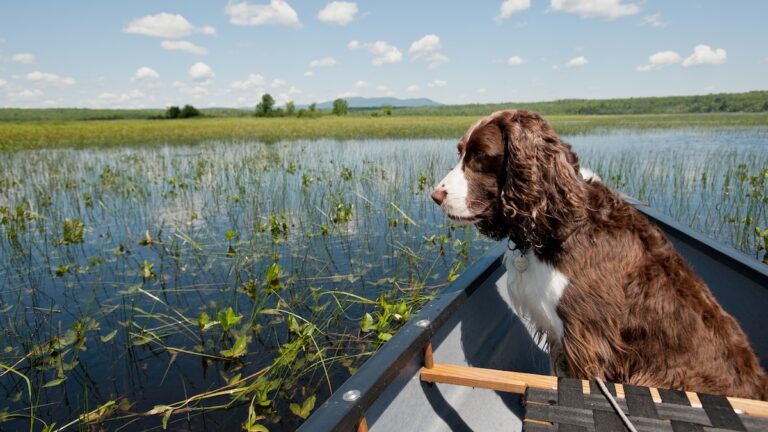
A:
[521,263]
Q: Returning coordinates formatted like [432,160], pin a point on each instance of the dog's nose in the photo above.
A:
[439,195]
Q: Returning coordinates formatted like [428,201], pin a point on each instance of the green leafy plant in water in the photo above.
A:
[762,243]
[146,270]
[388,320]
[345,174]
[272,277]
[342,213]
[422,181]
[277,228]
[239,348]
[454,273]
[305,408]
[228,319]
[74,231]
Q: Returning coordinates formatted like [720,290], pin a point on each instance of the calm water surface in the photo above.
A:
[110,260]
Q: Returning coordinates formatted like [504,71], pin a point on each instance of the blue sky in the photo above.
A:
[216,53]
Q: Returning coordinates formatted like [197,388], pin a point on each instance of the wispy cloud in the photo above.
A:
[577,62]
[323,62]
[338,12]
[184,46]
[654,21]
[660,60]
[607,9]
[510,7]
[383,52]
[277,12]
[23,58]
[165,25]
[45,78]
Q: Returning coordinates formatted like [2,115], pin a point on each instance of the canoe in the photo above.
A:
[471,323]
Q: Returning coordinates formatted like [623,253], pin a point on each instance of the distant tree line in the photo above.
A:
[266,108]
[754,101]
[188,111]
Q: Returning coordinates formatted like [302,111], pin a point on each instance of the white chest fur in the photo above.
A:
[535,293]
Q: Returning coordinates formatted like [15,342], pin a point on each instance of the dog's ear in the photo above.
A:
[541,193]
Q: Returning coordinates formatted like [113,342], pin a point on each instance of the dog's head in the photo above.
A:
[515,178]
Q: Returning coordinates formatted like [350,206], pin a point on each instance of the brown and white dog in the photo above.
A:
[596,278]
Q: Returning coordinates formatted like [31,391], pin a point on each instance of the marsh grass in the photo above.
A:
[236,284]
[219,284]
[84,134]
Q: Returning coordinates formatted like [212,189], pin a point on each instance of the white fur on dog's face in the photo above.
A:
[456,187]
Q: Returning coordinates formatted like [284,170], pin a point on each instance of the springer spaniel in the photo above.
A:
[594,277]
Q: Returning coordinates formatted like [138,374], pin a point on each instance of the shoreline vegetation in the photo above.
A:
[85,128]
[103,133]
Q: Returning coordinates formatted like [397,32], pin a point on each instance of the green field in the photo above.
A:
[77,134]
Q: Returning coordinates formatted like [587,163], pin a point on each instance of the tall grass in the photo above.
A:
[81,134]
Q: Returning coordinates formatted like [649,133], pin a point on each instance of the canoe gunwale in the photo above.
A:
[382,368]
[379,371]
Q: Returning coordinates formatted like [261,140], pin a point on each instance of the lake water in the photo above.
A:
[111,260]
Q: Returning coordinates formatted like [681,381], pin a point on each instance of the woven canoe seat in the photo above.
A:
[568,408]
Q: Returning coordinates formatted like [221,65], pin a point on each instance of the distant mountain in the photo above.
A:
[378,102]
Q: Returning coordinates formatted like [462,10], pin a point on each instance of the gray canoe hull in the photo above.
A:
[472,323]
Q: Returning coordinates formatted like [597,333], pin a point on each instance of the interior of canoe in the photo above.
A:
[472,323]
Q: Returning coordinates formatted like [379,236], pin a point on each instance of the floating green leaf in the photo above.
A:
[239,349]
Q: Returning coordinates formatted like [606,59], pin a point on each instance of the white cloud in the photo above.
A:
[23,58]
[361,84]
[26,94]
[145,75]
[195,90]
[510,7]
[660,60]
[704,54]
[654,21]
[437,83]
[161,25]
[49,79]
[201,73]
[323,62]
[515,61]
[252,81]
[338,12]
[277,12]
[608,9]
[309,74]
[383,52]
[576,62]
[412,88]
[481,90]
[207,30]
[184,46]
[436,60]
[382,88]
[428,43]
[132,98]
[277,83]
[428,48]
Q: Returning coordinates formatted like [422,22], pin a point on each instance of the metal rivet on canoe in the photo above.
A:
[351,395]
[423,323]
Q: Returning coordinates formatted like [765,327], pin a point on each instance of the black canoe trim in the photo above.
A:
[378,372]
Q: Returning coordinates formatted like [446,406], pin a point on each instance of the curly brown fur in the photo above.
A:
[633,311]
